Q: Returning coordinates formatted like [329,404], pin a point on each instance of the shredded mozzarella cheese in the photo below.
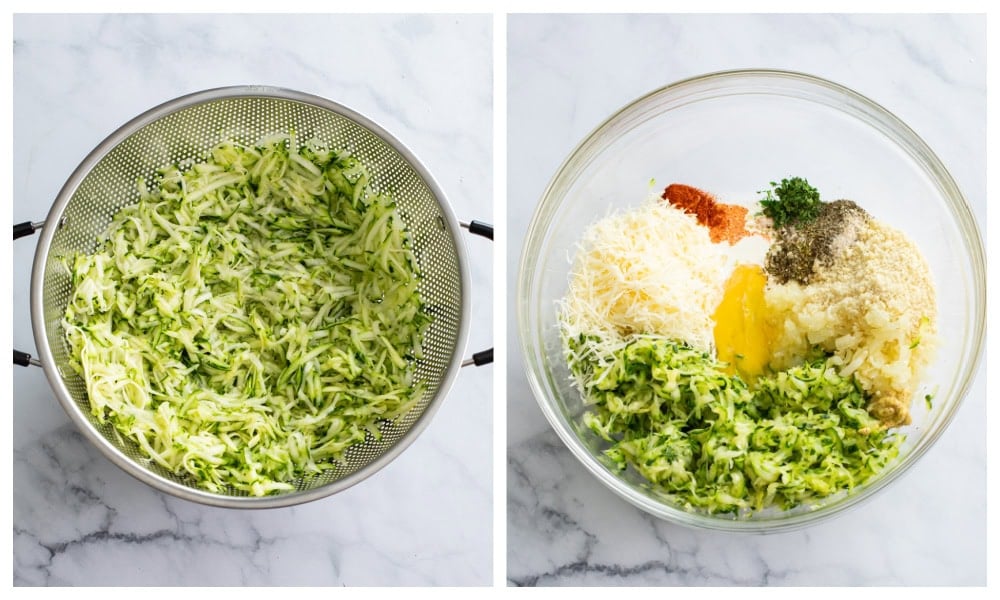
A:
[650,270]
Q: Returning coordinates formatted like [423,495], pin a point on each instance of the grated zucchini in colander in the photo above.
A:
[251,317]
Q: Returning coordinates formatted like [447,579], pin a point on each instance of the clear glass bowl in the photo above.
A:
[731,133]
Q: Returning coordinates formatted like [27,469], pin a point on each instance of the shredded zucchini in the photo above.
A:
[709,442]
[253,316]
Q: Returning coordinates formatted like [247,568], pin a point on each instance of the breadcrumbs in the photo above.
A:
[874,308]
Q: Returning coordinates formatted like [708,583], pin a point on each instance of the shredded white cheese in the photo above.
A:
[652,269]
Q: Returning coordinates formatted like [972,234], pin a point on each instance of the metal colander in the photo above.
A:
[183,130]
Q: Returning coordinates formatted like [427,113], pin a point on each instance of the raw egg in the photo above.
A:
[743,335]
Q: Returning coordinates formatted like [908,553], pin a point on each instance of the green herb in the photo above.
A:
[792,202]
[928,398]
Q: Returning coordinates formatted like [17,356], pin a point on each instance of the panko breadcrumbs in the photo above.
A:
[873,307]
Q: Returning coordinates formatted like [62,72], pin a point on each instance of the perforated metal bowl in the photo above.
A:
[184,129]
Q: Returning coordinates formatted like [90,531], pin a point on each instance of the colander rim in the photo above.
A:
[81,420]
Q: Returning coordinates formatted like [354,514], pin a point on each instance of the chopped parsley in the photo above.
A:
[791,202]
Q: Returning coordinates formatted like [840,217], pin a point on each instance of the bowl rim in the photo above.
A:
[889,125]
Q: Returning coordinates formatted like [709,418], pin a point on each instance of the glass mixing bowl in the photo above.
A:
[731,133]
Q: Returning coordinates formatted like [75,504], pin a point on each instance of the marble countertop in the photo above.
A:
[566,74]
[424,519]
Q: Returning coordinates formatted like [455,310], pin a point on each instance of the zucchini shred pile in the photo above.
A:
[252,317]
[709,442]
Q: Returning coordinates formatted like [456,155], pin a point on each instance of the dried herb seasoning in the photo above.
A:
[799,248]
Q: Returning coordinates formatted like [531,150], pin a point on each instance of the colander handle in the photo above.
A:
[24,359]
[484,230]
[479,228]
[27,228]
[20,230]
[479,358]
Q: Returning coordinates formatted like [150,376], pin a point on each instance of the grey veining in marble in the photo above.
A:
[426,519]
[566,74]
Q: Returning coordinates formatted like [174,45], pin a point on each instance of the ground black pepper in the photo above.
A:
[799,250]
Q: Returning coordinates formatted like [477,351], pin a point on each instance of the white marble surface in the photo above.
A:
[568,73]
[424,519]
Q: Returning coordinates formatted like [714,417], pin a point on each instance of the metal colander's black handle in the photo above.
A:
[26,228]
[20,230]
[484,230]
[479,228]
[25,360]
[479,358]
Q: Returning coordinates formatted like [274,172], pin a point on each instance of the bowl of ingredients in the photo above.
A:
[250,297]
[751,300]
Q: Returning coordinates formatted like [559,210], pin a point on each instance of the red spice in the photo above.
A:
[724,221]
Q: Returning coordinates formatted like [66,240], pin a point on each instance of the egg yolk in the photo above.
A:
[743,335]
